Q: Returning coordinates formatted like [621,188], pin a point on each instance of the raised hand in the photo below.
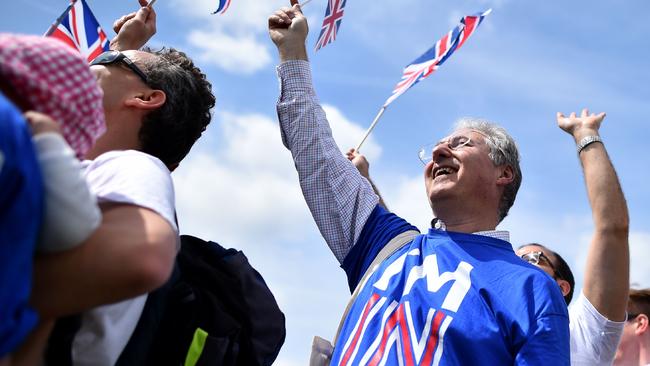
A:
[288,30]
[134,29]
[587,124]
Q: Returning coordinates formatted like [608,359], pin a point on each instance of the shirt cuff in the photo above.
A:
[295,79]
[598,316]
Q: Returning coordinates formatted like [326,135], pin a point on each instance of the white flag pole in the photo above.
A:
[372,125]
[58,20]
[304,3]
[151,3]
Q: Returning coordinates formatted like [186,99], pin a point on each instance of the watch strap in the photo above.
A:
[586,141]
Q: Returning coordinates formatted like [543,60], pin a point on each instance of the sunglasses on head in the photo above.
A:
[112,57]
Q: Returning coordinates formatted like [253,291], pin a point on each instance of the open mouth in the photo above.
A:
[443,170]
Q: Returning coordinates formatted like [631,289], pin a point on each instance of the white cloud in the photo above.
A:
[409,200]
[236,41]
[235,54]
[348,134]
[247,186]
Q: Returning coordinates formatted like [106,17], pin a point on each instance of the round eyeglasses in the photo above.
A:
[453,142]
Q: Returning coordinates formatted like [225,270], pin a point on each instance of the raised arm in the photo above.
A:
[606,278]
[340,200]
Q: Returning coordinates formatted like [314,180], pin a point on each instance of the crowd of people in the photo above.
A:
[88,225]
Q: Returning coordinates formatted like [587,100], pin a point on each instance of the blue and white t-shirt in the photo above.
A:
[449,299]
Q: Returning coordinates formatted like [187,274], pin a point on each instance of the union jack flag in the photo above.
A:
[429,62]
[223,6]
[79,29]
[331,23]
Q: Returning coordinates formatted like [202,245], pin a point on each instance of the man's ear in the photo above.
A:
[641,324]
[565,287]
[148,100]
[506,175]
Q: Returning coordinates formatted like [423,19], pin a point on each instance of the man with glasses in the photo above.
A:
[157,104]
[635,343]
[457,295]
[552,263]
[596,316]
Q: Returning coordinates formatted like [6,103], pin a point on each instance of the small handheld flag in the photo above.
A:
[331,23]
[429,62]
[78,28]
[223,6]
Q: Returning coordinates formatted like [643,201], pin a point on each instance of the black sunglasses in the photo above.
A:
[111,57]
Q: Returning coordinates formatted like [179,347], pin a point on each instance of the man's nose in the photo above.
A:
[440,150]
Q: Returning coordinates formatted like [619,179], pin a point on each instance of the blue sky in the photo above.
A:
[528,60]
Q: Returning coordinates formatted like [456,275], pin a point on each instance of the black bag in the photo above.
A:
[215,310]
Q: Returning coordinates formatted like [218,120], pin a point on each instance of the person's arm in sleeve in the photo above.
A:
[71,211]
[606,278]
[340,199]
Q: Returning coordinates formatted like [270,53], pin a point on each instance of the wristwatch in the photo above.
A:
[586,141]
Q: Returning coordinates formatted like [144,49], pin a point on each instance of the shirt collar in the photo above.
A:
[504,235]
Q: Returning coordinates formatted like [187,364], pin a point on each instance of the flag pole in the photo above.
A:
[372,126]
[151,3]
[58,20]
[304,3]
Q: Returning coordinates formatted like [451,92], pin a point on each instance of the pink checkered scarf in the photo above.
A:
[55,79]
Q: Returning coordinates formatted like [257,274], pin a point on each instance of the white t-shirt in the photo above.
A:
[135,178]
[594,338]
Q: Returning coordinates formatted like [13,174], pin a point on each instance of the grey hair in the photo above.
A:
[503,151]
